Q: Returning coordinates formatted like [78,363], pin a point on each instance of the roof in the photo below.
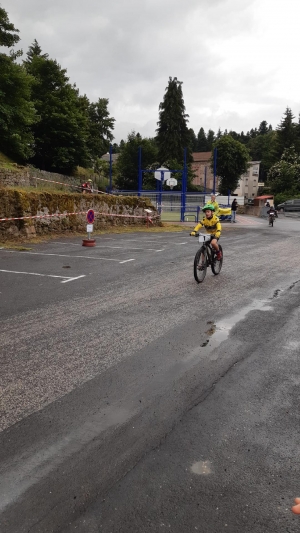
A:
[265,197]
[201,156]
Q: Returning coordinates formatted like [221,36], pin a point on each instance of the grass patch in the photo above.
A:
[164,228]
[8,164]
[13,246]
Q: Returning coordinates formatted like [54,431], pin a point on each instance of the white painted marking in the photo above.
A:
[179,243]
[73,279]
[66,243]
[127,260]
[64,255]
[129,248]
[138,240]
[65,278]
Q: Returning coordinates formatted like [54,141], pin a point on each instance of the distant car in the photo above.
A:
[250,201]
[290,205]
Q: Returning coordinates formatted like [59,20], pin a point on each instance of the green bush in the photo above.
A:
[286,195]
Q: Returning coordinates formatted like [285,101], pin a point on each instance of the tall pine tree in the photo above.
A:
[172,132]
[202,145]
[211,138]
[100,128]
[287,134]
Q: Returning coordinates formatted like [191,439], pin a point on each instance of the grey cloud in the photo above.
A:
[126,50]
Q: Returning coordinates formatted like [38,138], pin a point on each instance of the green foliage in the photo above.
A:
[284,176]
[127,163]
[202,142]
[8,33]
[17,113]
[262,148]
[287,134]
[263,128]
[211,139]
[62,131]
[232,162]
[100,128]
[193,141]
[172,132]
[281,197]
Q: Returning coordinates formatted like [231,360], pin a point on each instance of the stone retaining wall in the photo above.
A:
[14,203]
[25,177]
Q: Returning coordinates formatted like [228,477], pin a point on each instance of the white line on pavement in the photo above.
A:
[129,248]
[73,279]
[121,247]
[65,278]
[64,255]
[126,261]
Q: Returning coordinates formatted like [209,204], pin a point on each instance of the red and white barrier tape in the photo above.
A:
[66,184]
[78,213]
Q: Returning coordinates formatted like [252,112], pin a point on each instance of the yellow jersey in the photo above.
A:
[212,226]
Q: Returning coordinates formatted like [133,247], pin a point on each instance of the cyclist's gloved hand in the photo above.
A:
[193,234]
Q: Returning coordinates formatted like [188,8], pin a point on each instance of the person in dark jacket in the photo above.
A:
[233,210]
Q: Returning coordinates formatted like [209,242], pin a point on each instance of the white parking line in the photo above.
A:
[117,247]
[71,256]
[65,278]
[127,261]
[73,279]
[121,248]
[136,240]
[64,255]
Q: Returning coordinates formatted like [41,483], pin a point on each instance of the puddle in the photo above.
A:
[211,330]
[201,468]
[220,332]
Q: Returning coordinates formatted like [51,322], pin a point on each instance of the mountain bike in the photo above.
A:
[206,256]
[271,219]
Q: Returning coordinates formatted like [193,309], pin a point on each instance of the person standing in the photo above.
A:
[215,204]
[233,210]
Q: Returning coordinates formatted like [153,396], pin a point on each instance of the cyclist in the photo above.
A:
[212,225]
[272,211]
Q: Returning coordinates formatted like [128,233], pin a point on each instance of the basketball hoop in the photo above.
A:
[171,182]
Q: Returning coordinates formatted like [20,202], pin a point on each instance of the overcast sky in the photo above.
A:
[237,59]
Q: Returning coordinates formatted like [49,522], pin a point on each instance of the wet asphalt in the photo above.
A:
[135,400]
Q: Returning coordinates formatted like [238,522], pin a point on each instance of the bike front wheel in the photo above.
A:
[200,265]
[217,265]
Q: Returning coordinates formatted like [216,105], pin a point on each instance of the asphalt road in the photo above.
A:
[134,400]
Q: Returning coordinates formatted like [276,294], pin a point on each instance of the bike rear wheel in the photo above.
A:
[217,265]
[200,265]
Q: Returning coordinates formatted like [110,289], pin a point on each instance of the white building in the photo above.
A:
[248,184]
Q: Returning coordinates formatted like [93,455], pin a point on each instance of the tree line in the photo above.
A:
[44,121]
[43,118]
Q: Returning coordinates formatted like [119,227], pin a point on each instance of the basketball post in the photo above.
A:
[140,174]
[215,168]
